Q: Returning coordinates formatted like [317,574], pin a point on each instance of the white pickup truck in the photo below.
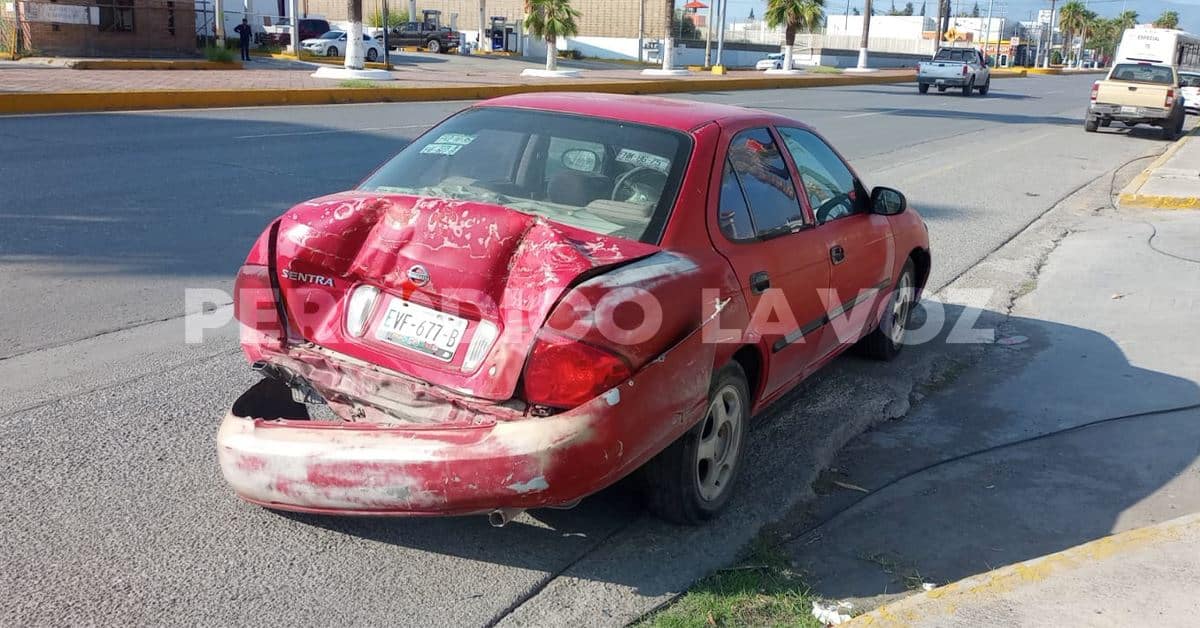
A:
[965,68]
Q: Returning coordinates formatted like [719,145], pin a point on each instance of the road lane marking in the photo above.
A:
[331,131]
[870,113]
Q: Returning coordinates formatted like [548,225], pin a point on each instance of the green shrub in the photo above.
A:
[220,55]
[395,19]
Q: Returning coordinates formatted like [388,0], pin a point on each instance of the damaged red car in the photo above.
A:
[548,292]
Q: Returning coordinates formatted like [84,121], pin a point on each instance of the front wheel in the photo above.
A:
[433,45]
[331,51]
[983,89]
[885,342]
[923,88]
[691,480]
[372,54]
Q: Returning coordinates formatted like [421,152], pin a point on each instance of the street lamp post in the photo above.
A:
[641,31]
[1050,35]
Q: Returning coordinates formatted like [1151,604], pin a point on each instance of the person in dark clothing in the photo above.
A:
[243,31]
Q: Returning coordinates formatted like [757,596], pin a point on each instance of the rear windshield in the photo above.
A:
[605,176]
[1142,73]
[955,54]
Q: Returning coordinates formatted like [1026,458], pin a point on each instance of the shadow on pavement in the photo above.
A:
[992,510]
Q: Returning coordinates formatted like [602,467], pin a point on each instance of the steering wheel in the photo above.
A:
[639,185]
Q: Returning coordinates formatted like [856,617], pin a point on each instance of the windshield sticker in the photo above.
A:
[441,149]
[645,160]
[462,139]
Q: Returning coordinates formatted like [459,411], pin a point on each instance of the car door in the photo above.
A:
[859,243]
[410,34]
[761,226]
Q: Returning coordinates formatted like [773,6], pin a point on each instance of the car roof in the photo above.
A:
[683,115]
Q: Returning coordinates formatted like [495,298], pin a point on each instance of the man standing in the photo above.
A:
[243,31]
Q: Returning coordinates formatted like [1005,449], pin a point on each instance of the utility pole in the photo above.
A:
[937,29]
[641,31]
[294,9]
[1083,35]
[708,35]
[387,57]
[988,36]
[846,22]
[721,32]
[1050,39]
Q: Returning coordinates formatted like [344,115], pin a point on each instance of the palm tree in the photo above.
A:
[551,19]
[1126,20]
[794,14]
[1071,20]
[1168,19]
[354,38]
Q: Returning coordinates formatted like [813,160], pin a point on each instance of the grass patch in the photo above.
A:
[762,590]
[220,55]
[823,69]
[356,83]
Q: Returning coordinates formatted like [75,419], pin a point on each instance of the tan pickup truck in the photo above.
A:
[1137,93]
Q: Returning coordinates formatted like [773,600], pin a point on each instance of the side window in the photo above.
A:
[827,181]
[765,180]
[732,213]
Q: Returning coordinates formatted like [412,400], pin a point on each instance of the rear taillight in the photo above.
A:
[1095,91]
[255,307]
[1170,98]
[563,373]
[359,307]
[964,69]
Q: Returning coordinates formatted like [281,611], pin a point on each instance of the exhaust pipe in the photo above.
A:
[501,516]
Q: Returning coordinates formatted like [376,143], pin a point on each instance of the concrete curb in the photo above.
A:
[64,102]
[1131,196]
[152,64]
[944,602]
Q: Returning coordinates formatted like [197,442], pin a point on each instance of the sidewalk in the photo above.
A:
[1171,182]
[1010,457]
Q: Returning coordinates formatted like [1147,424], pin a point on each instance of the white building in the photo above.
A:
[887,26]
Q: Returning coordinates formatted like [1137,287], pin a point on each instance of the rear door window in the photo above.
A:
[765,181]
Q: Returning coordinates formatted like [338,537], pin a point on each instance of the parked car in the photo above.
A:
[773,61]
[964,68]
[333,44]
[546,292]
[280,34]
[423,35]
[1189,86]
[1138,93]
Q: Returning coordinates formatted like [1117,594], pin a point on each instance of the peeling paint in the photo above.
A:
[536,484]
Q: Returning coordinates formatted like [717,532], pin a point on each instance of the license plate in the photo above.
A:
[421,329]
[1128,109]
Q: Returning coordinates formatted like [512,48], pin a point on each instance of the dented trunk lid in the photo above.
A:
[459,264]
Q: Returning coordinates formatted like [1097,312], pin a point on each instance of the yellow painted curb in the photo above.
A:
[1064,72]
[1009,73]
[945,601]
[283,56]
[153,64]
[59,102]
[1131,196]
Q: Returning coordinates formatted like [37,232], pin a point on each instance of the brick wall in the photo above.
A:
[601,18]
[151,34]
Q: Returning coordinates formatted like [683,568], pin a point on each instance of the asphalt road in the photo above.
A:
[114,510]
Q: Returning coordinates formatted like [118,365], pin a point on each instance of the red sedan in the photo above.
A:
[547,292]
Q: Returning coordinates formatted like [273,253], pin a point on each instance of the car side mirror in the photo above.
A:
[887,202]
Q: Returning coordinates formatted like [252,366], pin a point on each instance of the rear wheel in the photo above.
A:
[1090,124]
[433,45]
[969,87]
[923,88]
[372,54]
[983,89]
[691,480]
[885,342]
[331,51]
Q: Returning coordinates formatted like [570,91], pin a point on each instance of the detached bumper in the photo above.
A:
[370,469]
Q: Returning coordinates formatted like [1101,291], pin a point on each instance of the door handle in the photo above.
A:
[837,254]
[759,282]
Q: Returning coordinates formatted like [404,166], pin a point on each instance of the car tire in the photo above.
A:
[969,87]
[372,55]
[433,45]
[690,481]
[331,51]
[887,339]
[987,85]
[923,88]
[1090,124]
